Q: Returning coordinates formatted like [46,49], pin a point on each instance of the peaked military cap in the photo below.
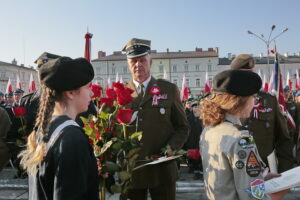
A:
[137,47]
[9,94]
[64,73]
[286,88]
[237,82]
[243,61]
[45,57]
[1,94]
[18,91]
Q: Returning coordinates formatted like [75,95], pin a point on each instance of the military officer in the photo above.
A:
[294,110]
[2,102]
[18,93]
[267,123]
[232,167]
[162,120]
[5,123]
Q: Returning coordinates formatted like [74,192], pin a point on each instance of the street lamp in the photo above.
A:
[269,41]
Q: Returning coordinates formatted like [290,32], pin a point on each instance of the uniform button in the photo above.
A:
[141,108]
[141,119]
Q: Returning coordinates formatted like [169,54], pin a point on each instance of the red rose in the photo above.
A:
[96,89]
[124,116]
[98,136]
[19,111]
[124,96]
[91,141]
[113,134]
[118,86]
[110,93]
[109,102]
[193,154]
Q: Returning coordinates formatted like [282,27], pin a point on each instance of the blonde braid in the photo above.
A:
[34,153]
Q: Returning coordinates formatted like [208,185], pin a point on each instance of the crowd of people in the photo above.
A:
[233,129]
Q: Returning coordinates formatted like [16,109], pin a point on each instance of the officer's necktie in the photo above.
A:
[141,90]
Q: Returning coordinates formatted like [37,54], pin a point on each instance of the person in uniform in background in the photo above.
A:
[9,100]
[267,123]
[232,167]
[294,110]
[163,122]
[4,128]
[2,100]
[297,96]
[17,96]
[31,100]
[59,158]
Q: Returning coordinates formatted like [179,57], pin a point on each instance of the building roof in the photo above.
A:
[264,60]
[164,55]
[19,66]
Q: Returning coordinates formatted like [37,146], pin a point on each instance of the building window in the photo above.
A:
[209,67]
[113,70]
[175,81]
[124,70]
[98,70]
[198,82]
[186,67]
[174,68]
[187,81]
[197,67]
[2,74]
[161,69]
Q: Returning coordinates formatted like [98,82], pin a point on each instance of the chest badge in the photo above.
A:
[162,111]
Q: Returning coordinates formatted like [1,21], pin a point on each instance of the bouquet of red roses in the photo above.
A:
[20,113]
[116,151]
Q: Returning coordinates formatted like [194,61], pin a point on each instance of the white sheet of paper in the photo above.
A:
[288,179]
[159,160]
[272,161]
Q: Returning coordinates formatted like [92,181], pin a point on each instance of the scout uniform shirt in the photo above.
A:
[231,164]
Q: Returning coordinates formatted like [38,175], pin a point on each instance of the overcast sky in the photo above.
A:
[30,27]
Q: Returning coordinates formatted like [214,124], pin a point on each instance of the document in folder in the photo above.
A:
[273,163]
[288,179]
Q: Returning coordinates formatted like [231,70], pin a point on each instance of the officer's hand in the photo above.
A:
[279,195]
[270,176]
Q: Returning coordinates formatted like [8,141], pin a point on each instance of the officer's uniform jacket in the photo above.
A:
[4,128]
[294,109]
[162,124]
[231,163]
[269,129]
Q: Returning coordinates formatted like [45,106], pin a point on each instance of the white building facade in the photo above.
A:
[12,70]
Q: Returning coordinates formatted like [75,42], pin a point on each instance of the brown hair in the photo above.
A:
[214,107]
[34,153]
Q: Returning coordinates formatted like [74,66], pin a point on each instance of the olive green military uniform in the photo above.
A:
[162,124]
[231,163]
[269,129]
[4,128]
[294,109]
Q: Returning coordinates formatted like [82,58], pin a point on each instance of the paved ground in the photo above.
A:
[187,188]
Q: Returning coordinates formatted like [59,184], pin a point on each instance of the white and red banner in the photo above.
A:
[8,87]
[184,93]
[18,85]
[207,87]
[31,84]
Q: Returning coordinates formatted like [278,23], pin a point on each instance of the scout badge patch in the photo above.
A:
[246,142]
[239,164]
[242,154]
[253,167]
[155,91]
[256,189]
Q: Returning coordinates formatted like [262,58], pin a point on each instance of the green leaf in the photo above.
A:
[111,167]
[104,115]
[124,175]
[84,120]
[136,135]
[105,147]
[133,152]
[180,152]
[116,188]
[134,157]
[126,146]
[117,146]
[89,131]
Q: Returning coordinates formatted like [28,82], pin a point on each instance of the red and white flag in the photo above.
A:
[271,85]
[288,80]
[265,84]
[31,84]
[9,86]
[87,50]
[207,87]
[184,93]
[297,80]
[19,85]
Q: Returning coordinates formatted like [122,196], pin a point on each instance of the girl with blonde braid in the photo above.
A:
[59,159]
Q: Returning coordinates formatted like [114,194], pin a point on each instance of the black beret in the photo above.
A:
[45,57]
[137,47]
[64,73]
[237,82]
[243,61]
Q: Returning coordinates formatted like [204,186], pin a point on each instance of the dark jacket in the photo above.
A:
[162,124]
[69,171]
[270,131]
[4,127]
